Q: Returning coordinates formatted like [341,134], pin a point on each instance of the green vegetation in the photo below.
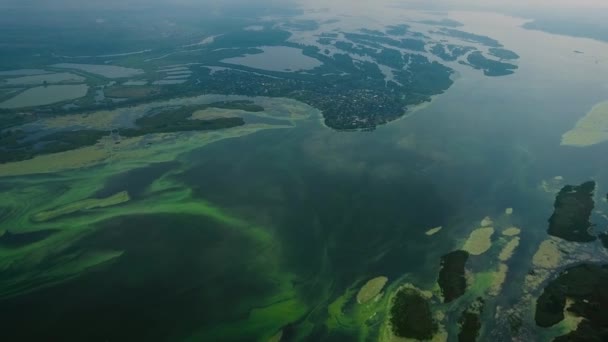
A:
[587,286]
[572,210]
[411,315]
[136,206]
[470,322]
[443,22]
[452,275]
[86,204]
[450,52]
[16,145]
[490,67]
[250,39]
[376,102]
[330,88]
[131,91]
[470,37]
[375,41]
[604,239]
[503,53]
[177,120]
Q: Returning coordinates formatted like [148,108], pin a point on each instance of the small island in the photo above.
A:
[572,210]
[503,53]
[411,315]
[586,286]
[490,67]
[470,321]
[452,279]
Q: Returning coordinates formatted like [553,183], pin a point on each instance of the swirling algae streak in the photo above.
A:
[72,228]
[591,129]
[72,188]
[87,204]
[140,150]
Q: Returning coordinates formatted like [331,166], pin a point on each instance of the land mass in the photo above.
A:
[572,210]
[17,145]
[452,275]
[587,286]
[411,315]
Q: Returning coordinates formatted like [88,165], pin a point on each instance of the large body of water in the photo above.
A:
[324,210]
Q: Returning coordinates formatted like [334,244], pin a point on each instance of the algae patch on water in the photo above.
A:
[547,255]
[433,231]
[87,204]
[487,222]
[511,231]
[508,250]
[591,129]
[371,289]
[479,241]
